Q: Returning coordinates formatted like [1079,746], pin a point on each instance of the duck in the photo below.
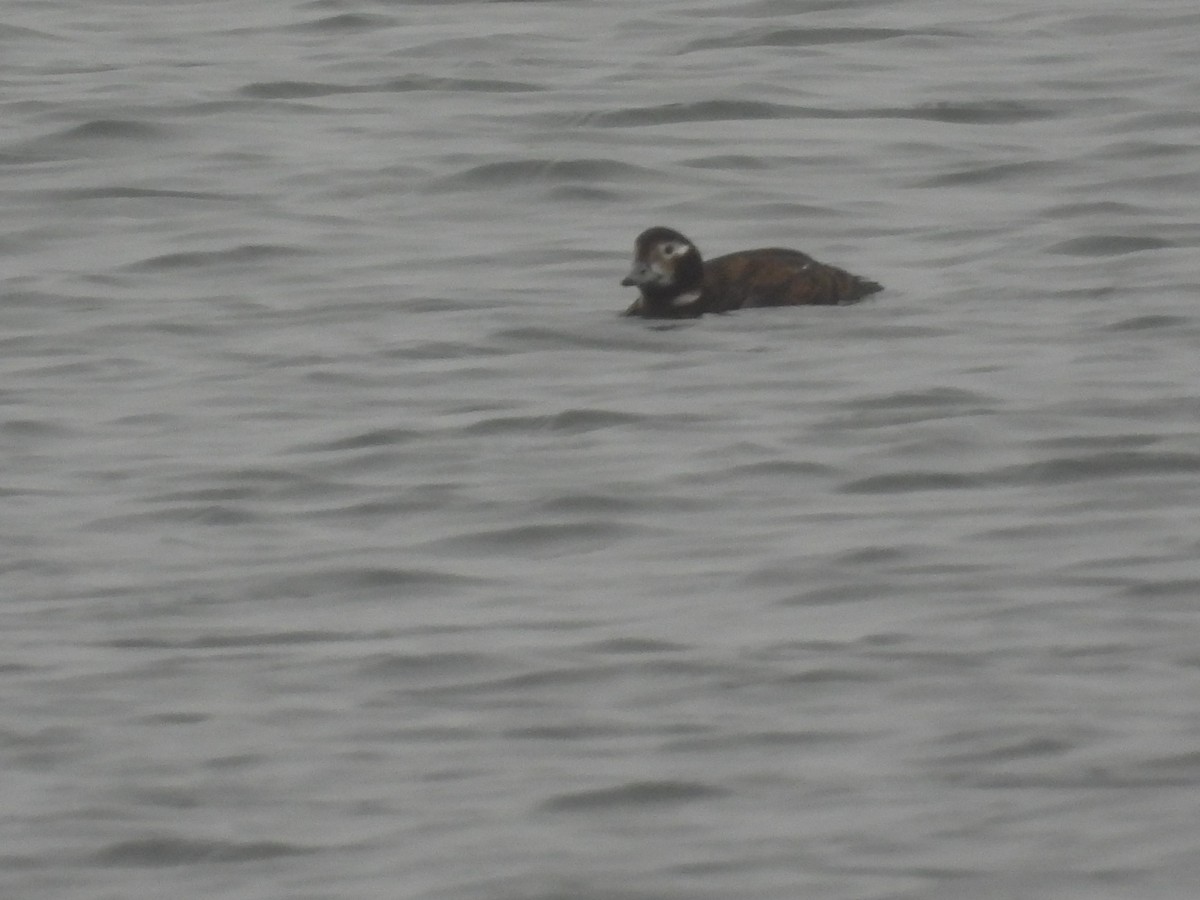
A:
[675,282]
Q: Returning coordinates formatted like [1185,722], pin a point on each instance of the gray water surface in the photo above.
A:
[353,546]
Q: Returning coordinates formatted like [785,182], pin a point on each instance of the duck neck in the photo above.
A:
[671,303]
[681,299]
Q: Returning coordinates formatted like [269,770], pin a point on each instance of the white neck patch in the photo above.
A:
[685,299]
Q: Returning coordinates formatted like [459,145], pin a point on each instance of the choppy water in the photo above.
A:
[354,547]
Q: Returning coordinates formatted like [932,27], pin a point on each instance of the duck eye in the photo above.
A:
[670,249]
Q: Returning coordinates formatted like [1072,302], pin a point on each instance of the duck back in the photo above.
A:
[774,276]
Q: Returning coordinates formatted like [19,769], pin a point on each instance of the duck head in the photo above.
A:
[667,269]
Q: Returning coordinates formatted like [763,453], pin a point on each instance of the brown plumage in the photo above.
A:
[675,282]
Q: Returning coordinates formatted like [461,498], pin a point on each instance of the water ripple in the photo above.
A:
[1109,245]
[633,796]
[159,852]
[299,90]
[809,37]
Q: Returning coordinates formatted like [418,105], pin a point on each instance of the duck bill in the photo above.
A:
[637,276]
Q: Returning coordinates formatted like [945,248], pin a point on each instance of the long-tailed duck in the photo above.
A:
[675,283]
